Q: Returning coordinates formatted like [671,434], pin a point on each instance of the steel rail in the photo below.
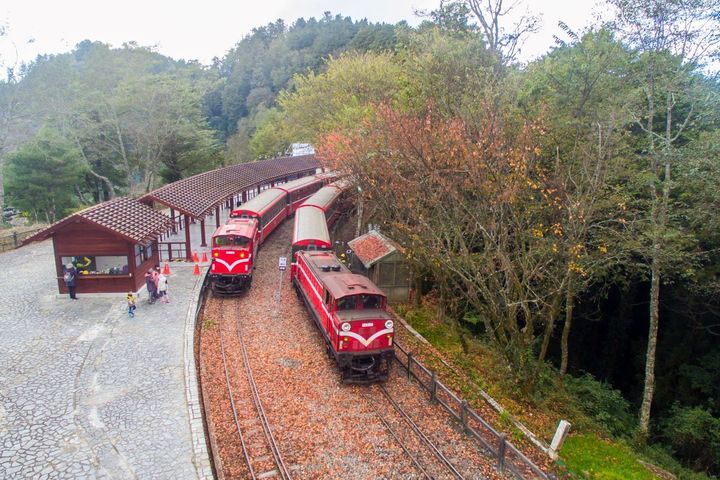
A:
[234,408]
[402,445]
[272,443]
[420,434]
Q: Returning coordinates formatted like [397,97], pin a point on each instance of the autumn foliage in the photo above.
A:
[473,205]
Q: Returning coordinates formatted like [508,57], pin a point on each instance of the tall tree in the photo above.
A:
[43,175]
[673,38]
[493,16]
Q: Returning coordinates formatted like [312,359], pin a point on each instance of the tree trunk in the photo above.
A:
[569,307]
[649,388]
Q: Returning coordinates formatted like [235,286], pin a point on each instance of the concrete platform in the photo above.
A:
[85,391]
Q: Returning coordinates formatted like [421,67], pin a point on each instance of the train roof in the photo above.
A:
[323,198]
[310,224]
[338,280]
[299,183]
[259,203]
[238,226]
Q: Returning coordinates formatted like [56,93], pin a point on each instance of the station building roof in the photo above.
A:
[122,216]
[197,195]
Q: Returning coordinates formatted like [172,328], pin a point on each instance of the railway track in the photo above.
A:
[418,460]
[259,447]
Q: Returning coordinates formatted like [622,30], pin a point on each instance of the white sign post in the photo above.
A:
[282,263]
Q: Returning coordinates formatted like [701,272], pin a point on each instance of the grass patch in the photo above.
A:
[586,456]
[208,324]
[444,335]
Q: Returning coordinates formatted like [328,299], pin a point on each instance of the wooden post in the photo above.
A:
[502,446]
[188,246]
[433,388]
[217,216]
[172,216]
[203,243]
[464,416]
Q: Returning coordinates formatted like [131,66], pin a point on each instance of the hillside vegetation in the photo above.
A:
[560,216]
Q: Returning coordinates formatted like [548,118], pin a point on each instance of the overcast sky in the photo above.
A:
[201,30]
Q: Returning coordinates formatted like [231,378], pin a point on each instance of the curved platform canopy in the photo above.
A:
[122,216]
[196,196]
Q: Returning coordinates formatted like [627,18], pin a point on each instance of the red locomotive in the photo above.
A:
[350,312]
[234,248]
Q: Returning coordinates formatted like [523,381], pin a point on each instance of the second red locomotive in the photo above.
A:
[350,311]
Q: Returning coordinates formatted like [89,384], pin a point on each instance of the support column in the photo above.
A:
[217,216]
[203,243]
[188,247]
[244,196]
[172,215]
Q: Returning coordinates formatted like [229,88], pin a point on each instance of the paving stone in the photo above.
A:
[87,392]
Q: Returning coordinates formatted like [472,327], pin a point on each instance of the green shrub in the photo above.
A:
[604,404]
[694,435]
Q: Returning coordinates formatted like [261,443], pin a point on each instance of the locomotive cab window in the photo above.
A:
[345,303]
[370,302]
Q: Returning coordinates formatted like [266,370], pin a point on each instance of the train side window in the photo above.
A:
[327,298]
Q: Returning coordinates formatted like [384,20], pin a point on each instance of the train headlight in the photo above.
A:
[345,327]
[389,324]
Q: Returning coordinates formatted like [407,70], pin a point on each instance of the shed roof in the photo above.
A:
[372,247]
[197,195]
[122,216]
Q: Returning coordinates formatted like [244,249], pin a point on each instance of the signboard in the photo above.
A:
[282,263]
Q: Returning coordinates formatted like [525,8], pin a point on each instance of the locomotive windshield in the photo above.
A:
[232,241]
[359,302]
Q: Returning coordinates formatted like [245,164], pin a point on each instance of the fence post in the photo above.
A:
[464,415]
[433,388]
[410,360]
[501,452]
[14,239]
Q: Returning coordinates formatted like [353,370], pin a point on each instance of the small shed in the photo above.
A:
[111,244]
[382,260]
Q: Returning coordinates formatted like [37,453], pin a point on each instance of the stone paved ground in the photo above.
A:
[86,392]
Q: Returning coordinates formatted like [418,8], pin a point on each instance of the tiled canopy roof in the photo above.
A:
[197,195]
[123,216]
[372,247]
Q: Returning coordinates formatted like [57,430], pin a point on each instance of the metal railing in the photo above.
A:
[493,443]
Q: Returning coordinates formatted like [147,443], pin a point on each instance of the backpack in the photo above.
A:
[68,277]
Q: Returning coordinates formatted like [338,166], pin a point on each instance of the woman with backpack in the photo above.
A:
[70,277]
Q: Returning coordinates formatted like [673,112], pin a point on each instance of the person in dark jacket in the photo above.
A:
[150,285]
[70,278]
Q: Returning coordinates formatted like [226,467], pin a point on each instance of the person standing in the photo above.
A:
[150,284]
[156,280]
[70,278]
[162,289]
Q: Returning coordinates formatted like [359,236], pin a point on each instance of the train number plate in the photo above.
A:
[230,252]
[367,324]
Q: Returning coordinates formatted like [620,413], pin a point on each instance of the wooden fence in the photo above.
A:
[11,239]
[493,443]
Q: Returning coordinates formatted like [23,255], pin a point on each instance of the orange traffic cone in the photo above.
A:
[166,269]
[204,257]
[196,271]
[195,257]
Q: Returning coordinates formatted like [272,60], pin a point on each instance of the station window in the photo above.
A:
[98,264]
[143,253]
